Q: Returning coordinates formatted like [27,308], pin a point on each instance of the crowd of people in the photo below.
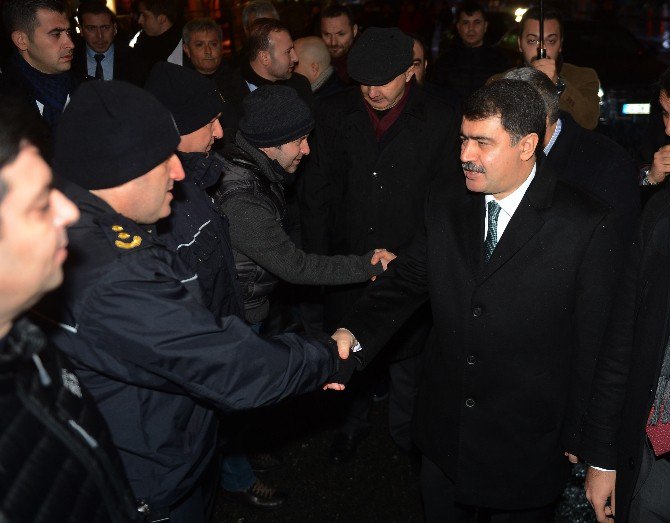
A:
[183,238]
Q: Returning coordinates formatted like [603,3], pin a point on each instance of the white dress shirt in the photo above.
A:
[107,62]
[508,206]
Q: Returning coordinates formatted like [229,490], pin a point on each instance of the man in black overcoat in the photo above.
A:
[626,437]
[378,146]
[519,271]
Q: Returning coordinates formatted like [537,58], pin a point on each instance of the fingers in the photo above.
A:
[384,256]
[612,507]
[571,458]
[345,341]
[333,386]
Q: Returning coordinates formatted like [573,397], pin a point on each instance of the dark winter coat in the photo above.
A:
[57,461]
[624,387]
[359,194]
[131,318]
[198,232]
[601,167]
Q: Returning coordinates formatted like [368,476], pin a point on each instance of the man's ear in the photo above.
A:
[162,20]
[116,28]
[20,40]
[518,43]
[355,29]
[264,57]
[186,50]
[527,146]
[314,66]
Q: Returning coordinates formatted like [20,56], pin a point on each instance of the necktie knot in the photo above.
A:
[492,234]
[99,57]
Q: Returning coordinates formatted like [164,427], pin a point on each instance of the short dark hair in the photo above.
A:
[169,8]
[18,125]
[94,7]
[259,35]
[21,15]
[541,82]
[517,103]
[335,10]
[550,13]
[198,25]
[469,8]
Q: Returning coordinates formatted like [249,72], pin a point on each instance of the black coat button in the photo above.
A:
[371,230]
[631,463]
[471,360]
[477,312]
[469,403]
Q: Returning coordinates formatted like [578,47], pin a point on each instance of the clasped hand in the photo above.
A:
[345,342]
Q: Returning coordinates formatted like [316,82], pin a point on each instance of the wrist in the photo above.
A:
[648,176]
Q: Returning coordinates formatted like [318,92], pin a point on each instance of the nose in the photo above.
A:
[294,56]
[331,40]
[68,43]
[304,147]
[467,151]
[373,91]
[176,169]
[667,126]
[217,130]
[65,212]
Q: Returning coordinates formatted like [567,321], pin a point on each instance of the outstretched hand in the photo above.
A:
[384,256]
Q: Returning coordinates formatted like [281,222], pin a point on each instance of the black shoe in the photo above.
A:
[264,461]
[343,448]
[259,495]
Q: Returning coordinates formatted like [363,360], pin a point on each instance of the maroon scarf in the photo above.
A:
[381,125]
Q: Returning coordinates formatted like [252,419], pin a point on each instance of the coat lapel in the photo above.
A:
[525,223]
[468,219]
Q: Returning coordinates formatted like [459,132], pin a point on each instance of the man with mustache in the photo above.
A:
[39,69]
[133,316]
[519,271]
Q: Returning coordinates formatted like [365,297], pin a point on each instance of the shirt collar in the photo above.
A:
[510,202]
[554,137]
[109,53]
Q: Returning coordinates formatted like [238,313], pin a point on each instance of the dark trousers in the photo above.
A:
[651,499]
[440,506]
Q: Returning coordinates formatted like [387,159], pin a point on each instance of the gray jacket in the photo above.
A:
[251,194]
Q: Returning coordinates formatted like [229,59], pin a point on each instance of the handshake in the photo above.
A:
[384,256]
[344,341]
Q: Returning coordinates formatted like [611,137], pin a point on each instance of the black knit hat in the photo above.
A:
[192,98]
[110,133]
[274,115]
[379,55]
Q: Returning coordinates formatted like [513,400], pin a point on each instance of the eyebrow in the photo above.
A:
[545,36]
[477,138]
[57,30]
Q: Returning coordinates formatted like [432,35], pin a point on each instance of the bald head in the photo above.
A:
[313,57]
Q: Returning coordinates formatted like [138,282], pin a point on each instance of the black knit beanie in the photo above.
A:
[379,55]
[274,115]
[110,133]
[192,98]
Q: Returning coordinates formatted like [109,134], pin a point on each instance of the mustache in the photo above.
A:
[473,167]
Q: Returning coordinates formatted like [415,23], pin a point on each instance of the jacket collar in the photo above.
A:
[203,170]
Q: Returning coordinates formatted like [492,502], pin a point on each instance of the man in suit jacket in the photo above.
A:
[101,56]
[585,158]
[626,436]
[519,272]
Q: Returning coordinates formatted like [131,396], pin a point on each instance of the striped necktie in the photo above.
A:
[492,235]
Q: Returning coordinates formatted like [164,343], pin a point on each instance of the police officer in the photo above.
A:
[131,317]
